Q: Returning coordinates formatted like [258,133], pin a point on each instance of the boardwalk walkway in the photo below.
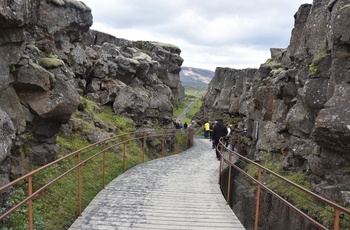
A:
[176,192]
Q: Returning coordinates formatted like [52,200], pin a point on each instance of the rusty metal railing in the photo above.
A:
[73,163]
[226,157]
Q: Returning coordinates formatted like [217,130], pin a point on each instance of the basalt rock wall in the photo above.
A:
[296,105]
[49,59]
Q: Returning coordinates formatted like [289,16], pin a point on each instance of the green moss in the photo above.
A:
[138,44]
[315,69]
[51,62]
[33,48]
[105,115]
[54,56]
[277,71]
[273,63]
[315,64]
[12,68]
[71,143]
[26,149]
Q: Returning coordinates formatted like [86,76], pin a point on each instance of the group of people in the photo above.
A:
[178,125]
[218,130]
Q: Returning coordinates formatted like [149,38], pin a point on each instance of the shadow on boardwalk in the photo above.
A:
[176,192]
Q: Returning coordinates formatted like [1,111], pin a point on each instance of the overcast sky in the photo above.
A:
[216,33]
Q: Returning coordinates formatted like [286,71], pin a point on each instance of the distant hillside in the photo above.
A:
[195,77]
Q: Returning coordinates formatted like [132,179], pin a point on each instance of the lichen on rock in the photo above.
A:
[51,62]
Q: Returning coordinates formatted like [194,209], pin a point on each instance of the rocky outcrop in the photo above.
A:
[140,79]
[296,105]
[48,64]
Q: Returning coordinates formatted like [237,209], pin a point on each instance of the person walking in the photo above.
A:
[226,138]
[219,131]
[206,129]
[211,133]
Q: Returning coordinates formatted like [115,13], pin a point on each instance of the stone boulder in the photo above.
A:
[332,125]
[7,134]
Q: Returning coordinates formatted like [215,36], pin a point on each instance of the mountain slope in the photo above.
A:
[195,77]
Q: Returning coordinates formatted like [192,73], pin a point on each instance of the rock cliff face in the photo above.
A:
[49,59]
[296,105]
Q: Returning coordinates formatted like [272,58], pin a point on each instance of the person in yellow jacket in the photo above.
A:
[206,129]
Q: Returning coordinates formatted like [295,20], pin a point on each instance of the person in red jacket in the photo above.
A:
[219,131]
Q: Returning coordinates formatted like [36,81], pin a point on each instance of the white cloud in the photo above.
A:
[221,33]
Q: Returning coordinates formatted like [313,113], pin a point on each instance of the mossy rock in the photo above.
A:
[315,64]
[273,63]
[51,62]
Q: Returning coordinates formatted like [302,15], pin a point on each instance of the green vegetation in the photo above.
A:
[12,68]
[33,48]
[315,64]
[277,71]
[51,61]
[273,63]
[197,92]
[190,95]
[138,44]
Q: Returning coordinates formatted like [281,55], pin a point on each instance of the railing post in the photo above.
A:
[163,143]
[229,177]
[104,166]
[257,201]
[124,154]
[79,185]
[187,134]
[190,136]
[220,168]
[336,219]
[144,147]
[30,202]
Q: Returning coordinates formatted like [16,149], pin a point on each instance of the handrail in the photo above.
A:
[107,144]
[337,208]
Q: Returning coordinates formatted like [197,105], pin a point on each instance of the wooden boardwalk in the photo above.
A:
[177,192]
